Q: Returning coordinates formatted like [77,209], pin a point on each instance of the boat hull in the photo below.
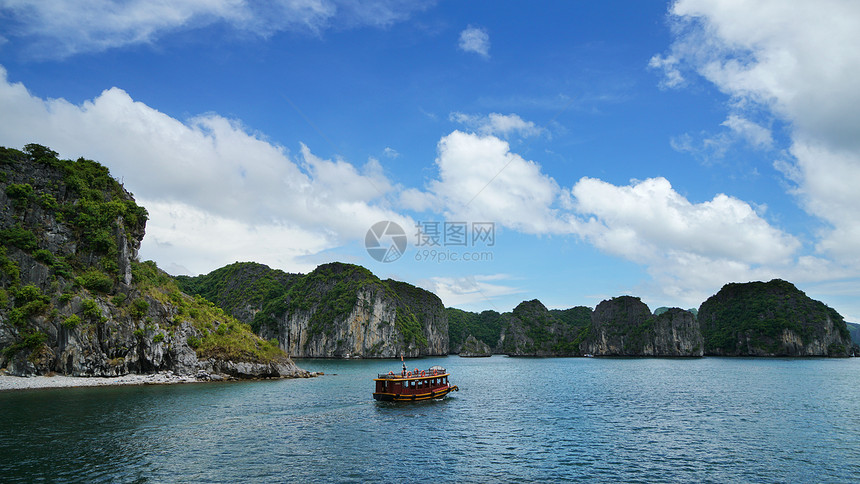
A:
[399,397]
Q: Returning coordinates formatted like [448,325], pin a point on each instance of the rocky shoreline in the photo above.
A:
[10,382]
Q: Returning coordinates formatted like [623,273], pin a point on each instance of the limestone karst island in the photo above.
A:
[75,300]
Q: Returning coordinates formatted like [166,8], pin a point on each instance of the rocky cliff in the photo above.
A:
[75,300]
[625,326]
[771,319]
[336,311]
[532,330]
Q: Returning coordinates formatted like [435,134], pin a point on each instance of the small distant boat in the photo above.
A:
[413,385]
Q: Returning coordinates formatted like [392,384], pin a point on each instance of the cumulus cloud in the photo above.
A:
[65,27]
[480,179]
[642,220]
[788,60]
[503,125]
[476,40]
[208,173]
[689,248]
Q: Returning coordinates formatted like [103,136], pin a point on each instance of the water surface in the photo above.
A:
[514,420]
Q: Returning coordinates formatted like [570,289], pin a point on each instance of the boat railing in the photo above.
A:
[412,374]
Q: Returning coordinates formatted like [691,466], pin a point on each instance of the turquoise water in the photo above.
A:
[514,420]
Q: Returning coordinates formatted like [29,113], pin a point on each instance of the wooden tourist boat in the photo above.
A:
[413,385]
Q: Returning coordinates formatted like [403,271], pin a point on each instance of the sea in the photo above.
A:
[513,420]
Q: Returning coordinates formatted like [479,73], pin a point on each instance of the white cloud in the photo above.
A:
[690,249]
[480,179]
[646,218]
[61,28]
[755,134]
[669,65]
[789,60]
[191,240]
[475,40]
[207,173]
[469,292]
[497,124]
[710,147]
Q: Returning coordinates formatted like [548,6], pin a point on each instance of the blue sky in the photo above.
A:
[647,148]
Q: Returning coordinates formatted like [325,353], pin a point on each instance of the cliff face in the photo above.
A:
[618,327]
[75,300]
[427,310]
[771,319]
[624,326]
[676,332]
[342,310]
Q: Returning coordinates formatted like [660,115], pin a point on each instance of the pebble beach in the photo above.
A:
[8,382]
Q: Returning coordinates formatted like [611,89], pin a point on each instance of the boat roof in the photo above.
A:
[433,372]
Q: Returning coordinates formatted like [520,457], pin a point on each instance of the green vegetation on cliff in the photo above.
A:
[47,194]
[485,326]
[755,317]
[240,289]
[219,335]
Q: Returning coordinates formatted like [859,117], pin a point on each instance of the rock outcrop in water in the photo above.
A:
[473,347]
[771,319]
[336,311]
[74,299]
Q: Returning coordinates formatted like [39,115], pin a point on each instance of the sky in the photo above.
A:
[565,151]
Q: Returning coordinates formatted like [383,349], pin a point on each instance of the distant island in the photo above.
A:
[75,300]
